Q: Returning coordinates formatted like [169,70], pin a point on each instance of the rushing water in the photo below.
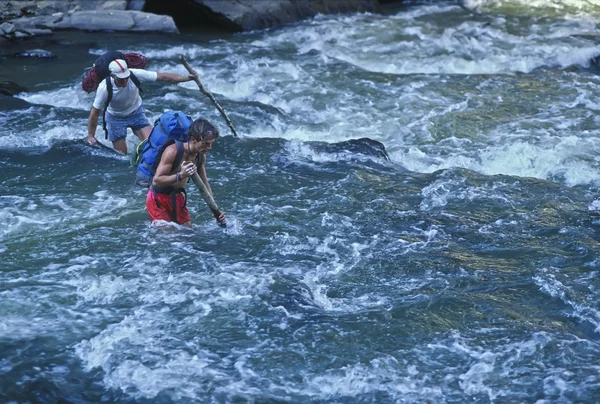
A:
[462,269]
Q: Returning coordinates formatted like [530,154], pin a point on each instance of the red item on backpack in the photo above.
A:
[92,79]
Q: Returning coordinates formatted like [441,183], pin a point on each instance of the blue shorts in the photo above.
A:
[117,125]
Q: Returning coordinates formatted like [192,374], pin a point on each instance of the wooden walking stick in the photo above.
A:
[208,94]
[208,199]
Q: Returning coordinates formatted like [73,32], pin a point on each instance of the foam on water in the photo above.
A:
[160,353]
[70,97]
[471,47]
[343,278]
[573,293]
[535,7]
[46,212]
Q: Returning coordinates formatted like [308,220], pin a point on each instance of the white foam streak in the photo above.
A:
[46,212]
[552,284]
[469,48]
[566,158]
[70,97]
[540,6]
[379,375]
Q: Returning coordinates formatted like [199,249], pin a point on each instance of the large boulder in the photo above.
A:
[100,20]
[10,9]
[245,15]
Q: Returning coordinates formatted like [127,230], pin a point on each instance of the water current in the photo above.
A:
[463,269]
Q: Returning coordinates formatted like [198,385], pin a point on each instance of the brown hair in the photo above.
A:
[201,128]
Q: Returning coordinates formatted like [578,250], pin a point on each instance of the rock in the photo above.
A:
[9,11]
[10,88]
[154,22]
[42,21]
[35,53]
[7,28]
[244,15]
[126,20]
[137,5]
[30,9]
[98,21]
[364,146]
[48,7]
[38,31]
[8,103]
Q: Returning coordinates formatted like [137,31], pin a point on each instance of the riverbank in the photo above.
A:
[26,19]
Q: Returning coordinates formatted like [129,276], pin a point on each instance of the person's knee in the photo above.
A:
[120,145]
[144,132]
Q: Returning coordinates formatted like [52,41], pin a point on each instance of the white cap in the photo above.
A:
[118,68]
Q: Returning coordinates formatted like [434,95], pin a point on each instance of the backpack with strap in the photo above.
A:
[170,128]
[101,72]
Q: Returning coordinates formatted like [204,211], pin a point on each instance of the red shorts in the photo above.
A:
[159,207]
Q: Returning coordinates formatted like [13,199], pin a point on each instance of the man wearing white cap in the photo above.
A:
[124,109]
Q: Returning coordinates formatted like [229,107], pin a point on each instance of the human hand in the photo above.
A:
[193,75]
[220,216]
[91,140]
[187,169]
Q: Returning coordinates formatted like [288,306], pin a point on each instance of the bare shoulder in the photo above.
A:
[169,153]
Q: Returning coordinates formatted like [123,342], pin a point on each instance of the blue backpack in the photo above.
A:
[171,127]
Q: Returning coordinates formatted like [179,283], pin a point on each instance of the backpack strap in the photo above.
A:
[135,80]
[109,88]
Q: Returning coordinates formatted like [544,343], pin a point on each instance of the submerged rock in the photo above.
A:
[365,146]
[35,53]
[10,88]
[8,103]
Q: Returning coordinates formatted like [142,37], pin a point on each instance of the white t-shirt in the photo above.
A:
[125,100]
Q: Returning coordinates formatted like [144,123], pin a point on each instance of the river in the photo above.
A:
[462,269]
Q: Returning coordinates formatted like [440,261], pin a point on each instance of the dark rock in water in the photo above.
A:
[364,146]
[246,15]
[35,53]
[10,88]
[595,62]
[8,103]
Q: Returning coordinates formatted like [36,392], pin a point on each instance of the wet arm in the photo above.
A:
[93,124]
[174,78]
[163,176]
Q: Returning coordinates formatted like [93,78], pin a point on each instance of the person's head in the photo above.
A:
[202,134]
[119,71]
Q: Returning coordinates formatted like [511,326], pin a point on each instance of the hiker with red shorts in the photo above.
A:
[166,198]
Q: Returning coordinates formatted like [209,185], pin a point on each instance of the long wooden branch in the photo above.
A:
[208,94]
[208,199]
